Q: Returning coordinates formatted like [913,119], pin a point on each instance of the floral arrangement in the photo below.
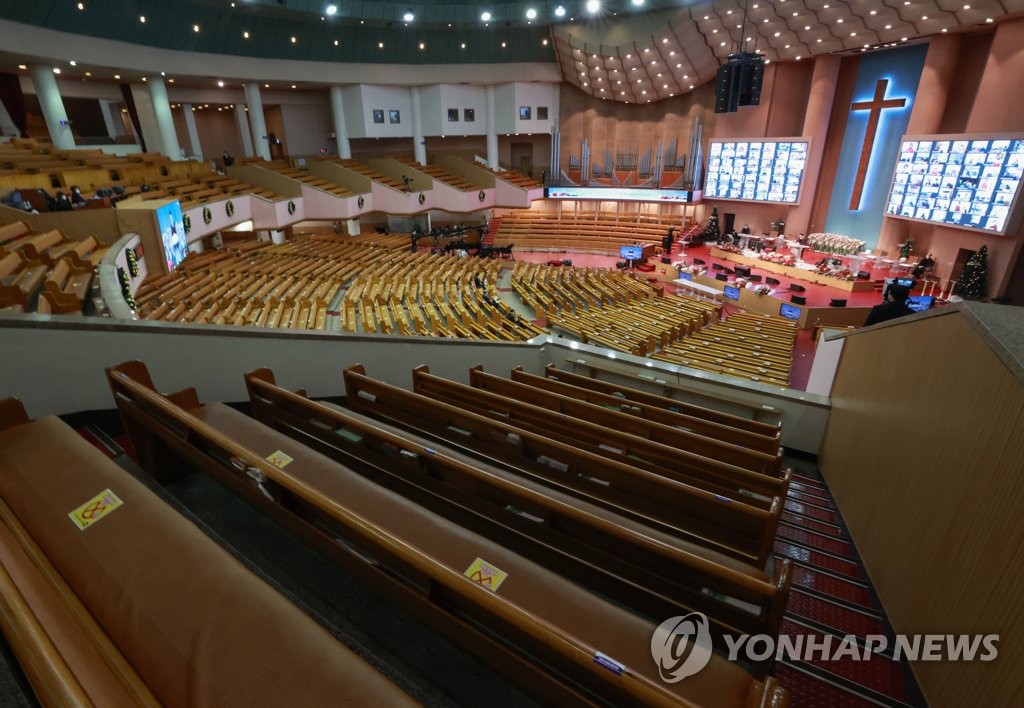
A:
[837,272]
[741,281]
[691,269]
[730,248]
[834,243]
[763,290]
[778,259]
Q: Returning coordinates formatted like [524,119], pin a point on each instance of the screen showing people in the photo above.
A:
[766,171]
[733,293]
[960,182]
[172,234]
[631,253]
[789,311]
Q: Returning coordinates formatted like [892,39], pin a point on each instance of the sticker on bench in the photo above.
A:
[555,464]
[367,395]
[95,509]
[486,575]
[609,663]
[279,460]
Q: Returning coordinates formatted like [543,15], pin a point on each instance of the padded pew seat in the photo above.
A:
[189,623]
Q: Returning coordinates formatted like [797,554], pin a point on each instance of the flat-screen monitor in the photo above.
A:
[685,276]
[631,253]
[906,282]
[731,292]
[920,303]
[758,170]
[721,276]
[620,194]
[172,234]
[967,181]
[790,312]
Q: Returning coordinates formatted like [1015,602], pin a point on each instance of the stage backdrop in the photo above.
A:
[883,96]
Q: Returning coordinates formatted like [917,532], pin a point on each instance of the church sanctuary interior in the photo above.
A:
[512,353]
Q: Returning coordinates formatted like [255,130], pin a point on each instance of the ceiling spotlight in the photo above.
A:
[638,3]
[559,11]
[81,6]
[195,28]
[220,84]
[422,46]
[245,35]
[336,43]
[531,14]
[593,6]
[380,45]
[408,16]
[294,40]
[73,63]
[485,16]
[88,73]
[117,76]
[142,19]
[331,9]
[23,67]
[56,70]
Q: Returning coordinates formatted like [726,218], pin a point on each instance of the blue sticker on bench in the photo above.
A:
[609,663]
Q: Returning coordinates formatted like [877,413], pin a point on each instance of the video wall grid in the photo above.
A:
[970,182]
[760,170]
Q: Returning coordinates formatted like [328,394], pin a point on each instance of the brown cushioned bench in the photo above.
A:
[635,565]
[721,478]
[711,520]
[560,641]
[139,607]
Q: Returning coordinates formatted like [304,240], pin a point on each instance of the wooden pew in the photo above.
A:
[570,535]
[713,521]
[670,404]
[727,433]
[138,607]
[538,628]
[754,488]
[615,419]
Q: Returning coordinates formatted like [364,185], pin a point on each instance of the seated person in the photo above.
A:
[924,265]
[63,203]
[77,199]
[894,305]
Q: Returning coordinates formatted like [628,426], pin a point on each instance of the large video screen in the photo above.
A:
[172,234]
[762,171]
[959,180]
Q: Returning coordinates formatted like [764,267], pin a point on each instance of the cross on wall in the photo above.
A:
[875,106]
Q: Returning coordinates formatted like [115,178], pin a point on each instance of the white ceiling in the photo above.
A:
[649,65]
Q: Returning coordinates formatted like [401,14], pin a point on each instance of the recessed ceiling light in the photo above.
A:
[331,9]
[924,17]
[799,58]
[170,81]
[144,79]
[81,6]
[56,69]
[73,63]
[966,7]
[293,85]
[888,26]
[245,35]
[504,44]
[531,13]
[638,3]
[807,27]
[664,40]
[485,16]
[117,76]
[873,12]
[839,21]
[220,84]
[544,41]
[142,19]
[195,28]
[266,85]
[988,19]
[422,46]
[819,40]
[903,39]
[559,11]
[593,6]
[408,16]
[944,29]
[88,73]
[22,67]
[294,40]
[462,46]
[336,43]
[380,45]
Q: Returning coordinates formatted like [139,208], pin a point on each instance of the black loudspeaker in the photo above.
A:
[863,275]
[721,276]
[666,260]
[797,288]
[798,300]
[751,75]
[698,261]
[726,100]
[837,303]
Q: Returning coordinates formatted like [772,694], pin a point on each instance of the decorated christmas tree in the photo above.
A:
[712,232]
[974,278]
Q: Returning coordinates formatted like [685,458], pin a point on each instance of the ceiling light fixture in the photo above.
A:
[593,6]
[331,9]
[559,11]
[409,16]
[531,14]
[485,16]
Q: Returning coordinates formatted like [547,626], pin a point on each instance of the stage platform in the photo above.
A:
[808,276]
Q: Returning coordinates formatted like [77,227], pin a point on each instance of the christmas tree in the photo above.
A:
[974,278]
[712,232]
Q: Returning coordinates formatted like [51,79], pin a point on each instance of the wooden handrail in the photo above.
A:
[633,684]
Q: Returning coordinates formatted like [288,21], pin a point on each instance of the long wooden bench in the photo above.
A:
[637,566]
[615,419]
[728,480]
[111,598]
[524,620]
[670,404]
[714,521]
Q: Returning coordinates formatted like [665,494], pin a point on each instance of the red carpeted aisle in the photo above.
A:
[832,596]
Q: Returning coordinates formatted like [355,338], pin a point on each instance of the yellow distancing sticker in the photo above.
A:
[279,460]
[486,575]
[95,509]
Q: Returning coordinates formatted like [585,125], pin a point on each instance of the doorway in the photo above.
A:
[962,256]
[522,157]
[730,222]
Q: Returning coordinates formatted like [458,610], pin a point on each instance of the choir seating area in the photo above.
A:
[26,166]
[45,272]
[747,345]
[428,488]
[515,178]
[440,174]
[366,171]
[283,168]
[540,231]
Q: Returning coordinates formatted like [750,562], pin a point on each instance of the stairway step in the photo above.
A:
[821,527]
[807,690]
[817,541]
[815,559]
[813,512]
[832,586]
[843,620]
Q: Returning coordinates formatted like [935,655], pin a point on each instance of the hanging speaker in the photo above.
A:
[725,92]
[751,76]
